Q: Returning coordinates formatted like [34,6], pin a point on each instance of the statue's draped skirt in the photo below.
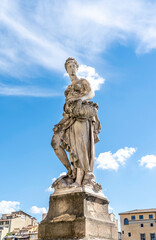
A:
[78,132]
[78,140]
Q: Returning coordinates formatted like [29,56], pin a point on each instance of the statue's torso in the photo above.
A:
[77,89]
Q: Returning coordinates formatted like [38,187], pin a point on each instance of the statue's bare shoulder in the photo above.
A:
[79,89]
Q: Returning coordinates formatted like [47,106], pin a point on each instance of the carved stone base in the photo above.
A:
[78,215]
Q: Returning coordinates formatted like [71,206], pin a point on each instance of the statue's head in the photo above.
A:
[71,61]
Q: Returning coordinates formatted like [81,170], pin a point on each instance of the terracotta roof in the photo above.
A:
[150,210]
[28,227]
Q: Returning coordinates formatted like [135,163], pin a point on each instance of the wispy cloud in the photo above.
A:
[30,35]
[9,206]
[23,42]
[148,161]
[108,160]
[30,91]
[44,33]
[37,210]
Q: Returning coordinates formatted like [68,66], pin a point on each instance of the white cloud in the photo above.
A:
[9,206]
[149,161]
[107,160]
[62,174]
[44,33]
[123,154]
[90,74]
[50,189]
[31,35]
[30,91]
[37,210]
[53,180]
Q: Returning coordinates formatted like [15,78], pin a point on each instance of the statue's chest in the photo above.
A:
[75,89]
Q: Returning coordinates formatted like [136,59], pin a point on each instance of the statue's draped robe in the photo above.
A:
[79,128]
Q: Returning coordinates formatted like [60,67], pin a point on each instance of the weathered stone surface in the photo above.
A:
[78,215]
[77,133]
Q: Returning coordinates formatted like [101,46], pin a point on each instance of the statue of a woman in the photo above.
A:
[78,131]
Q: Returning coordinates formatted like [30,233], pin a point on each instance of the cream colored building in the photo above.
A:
[31,231]
[138,224]
[10,223]
[26,233]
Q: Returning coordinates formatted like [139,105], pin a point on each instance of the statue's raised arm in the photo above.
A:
[77,132]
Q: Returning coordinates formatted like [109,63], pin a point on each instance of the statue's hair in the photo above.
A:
[69,60]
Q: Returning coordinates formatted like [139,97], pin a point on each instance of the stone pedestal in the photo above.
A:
[79,214]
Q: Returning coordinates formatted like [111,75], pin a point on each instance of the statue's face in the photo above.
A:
[71,69]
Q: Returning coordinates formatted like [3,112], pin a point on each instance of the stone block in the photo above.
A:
[78,215]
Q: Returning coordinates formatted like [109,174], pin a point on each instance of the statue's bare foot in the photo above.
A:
[75,184]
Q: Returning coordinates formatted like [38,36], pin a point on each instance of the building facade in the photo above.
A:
[138,224]
[31,231]
[12,223]
[26,233]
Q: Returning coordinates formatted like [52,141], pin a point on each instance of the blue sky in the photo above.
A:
[115,47]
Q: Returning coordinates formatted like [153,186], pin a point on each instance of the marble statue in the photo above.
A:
[78,209]
[77,132]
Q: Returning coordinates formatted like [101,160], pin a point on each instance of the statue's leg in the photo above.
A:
[79,178]
[60,152]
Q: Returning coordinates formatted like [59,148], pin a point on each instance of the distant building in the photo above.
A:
[26,233]
[138,224]
[30,231]
[12,223]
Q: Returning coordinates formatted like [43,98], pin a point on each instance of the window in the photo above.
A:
[151,224]
[129,234]
[141,217]
[1,223]
[151,216]
[122,232]
[132,217]
[152,236]
[142,225]
[126,221]
[142,236]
